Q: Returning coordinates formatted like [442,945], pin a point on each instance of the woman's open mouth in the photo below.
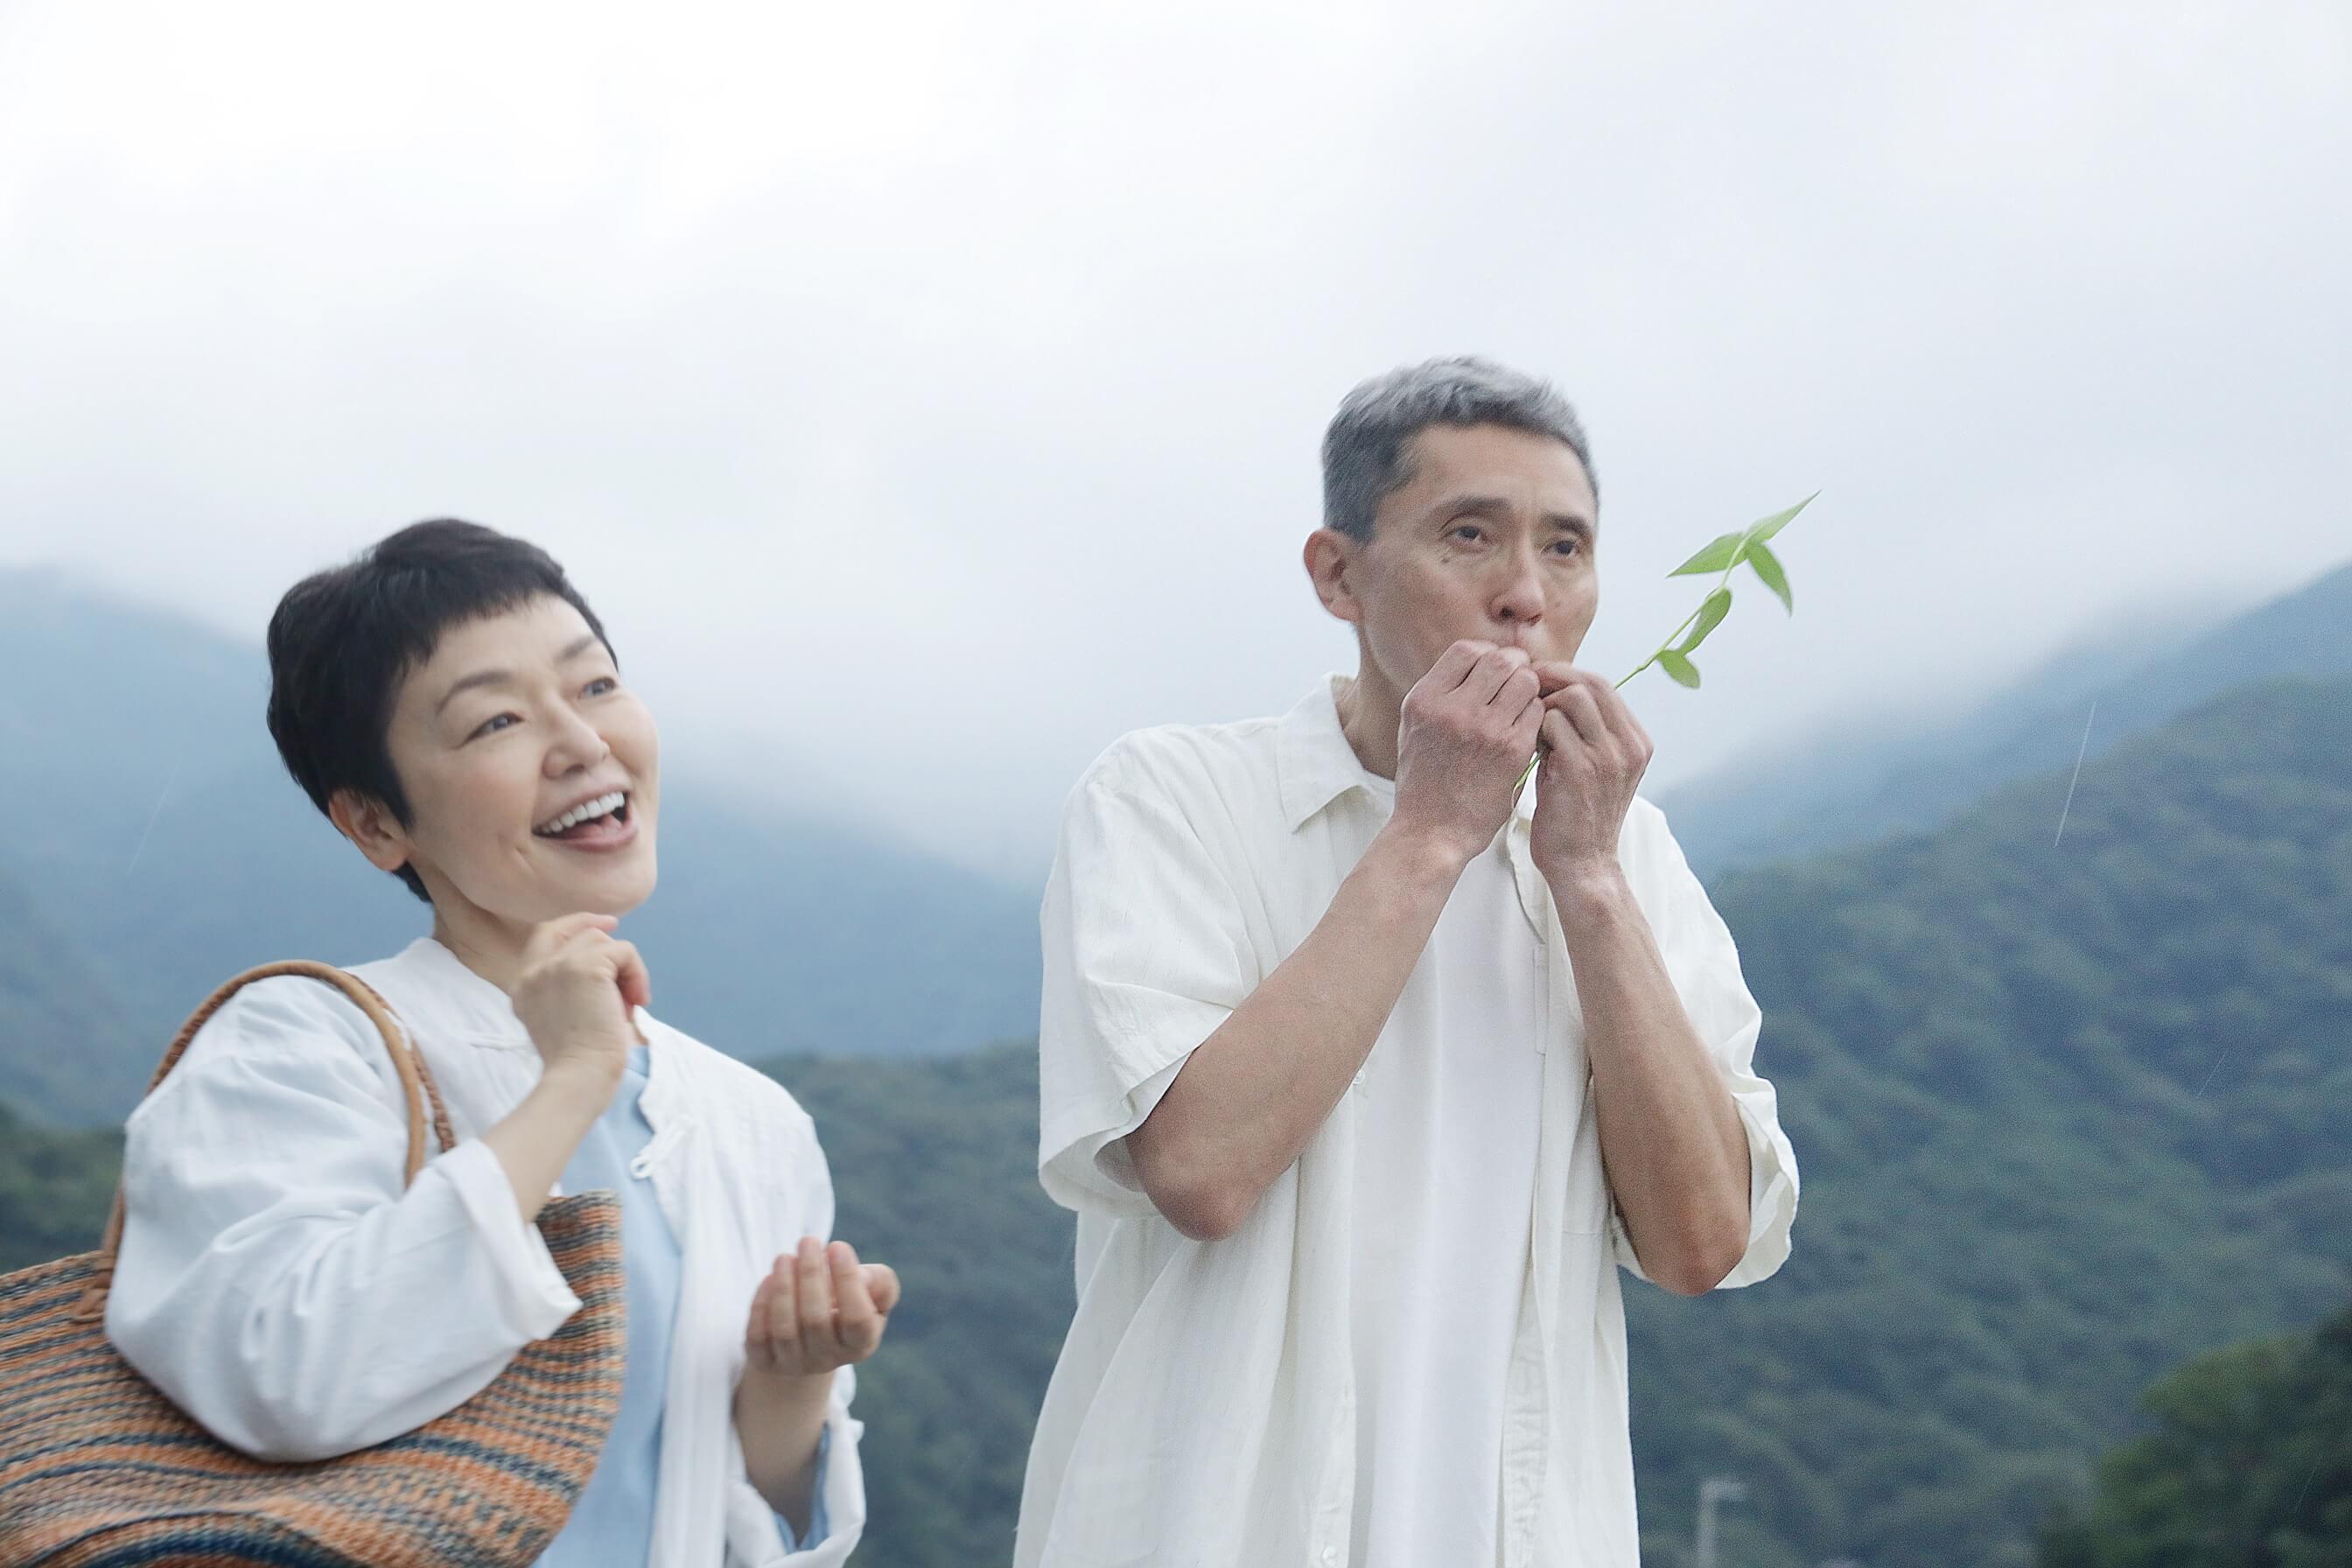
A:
[603,823]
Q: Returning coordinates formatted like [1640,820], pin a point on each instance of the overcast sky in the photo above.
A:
[924,394]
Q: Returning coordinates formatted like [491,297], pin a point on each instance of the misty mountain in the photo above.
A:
[1852,782]
[153,829]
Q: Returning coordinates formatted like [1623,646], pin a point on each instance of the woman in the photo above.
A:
[451,704]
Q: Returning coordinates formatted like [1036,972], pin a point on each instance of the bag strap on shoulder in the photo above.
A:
[417,1088]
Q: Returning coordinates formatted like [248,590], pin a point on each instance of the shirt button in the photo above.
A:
[1332,1554]
[1360,1083]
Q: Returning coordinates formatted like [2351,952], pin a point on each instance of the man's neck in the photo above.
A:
[1370,712]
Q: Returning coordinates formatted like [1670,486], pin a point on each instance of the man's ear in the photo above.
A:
[369,823]
[1331,555]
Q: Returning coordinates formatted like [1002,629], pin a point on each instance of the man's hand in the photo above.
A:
[1596,753]
[574,995]
[1465,731]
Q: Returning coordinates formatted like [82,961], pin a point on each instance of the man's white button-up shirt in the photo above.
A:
[1203,1410]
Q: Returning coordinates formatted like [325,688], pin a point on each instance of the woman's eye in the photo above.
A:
[599,686]
[490,725]
[1468,530]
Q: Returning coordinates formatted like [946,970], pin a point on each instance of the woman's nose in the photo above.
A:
[578,744]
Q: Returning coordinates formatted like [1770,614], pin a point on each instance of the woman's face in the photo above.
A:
[532,773]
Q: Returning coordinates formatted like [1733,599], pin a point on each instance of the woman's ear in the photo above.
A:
[369,823]
[1331,555]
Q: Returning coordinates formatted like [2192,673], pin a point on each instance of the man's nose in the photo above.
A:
[1519,598]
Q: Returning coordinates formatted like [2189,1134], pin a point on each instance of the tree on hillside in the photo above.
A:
[2250,1466]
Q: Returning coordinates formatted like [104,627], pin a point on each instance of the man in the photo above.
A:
[1364,1071]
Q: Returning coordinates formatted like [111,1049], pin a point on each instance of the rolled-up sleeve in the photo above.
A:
[1146,954]
[274,1279]
[1704,962]
[759,1537]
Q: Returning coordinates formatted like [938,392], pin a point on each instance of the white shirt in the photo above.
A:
[277,1282]
[1448,1120]
[1205,1408]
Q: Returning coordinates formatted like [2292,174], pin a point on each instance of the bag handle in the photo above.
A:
[417,1088]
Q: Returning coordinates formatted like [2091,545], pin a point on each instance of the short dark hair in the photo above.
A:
[342,640]
[1365,454]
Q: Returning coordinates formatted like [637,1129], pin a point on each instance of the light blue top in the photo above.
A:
[613,1520]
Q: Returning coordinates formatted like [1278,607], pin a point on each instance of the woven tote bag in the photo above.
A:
[97,1468]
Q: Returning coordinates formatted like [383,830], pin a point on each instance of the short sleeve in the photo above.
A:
[1704,964]
[1146,954]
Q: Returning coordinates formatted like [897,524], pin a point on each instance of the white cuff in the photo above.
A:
[536,1298]
[1771,1203]
[755,1538]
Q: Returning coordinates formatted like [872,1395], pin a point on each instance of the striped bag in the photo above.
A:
[97,1468]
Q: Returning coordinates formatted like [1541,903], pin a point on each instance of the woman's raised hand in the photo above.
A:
[576,992]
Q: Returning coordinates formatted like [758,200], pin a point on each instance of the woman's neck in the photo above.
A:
[488,946]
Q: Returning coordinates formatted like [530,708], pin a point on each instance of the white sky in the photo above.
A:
[926,393]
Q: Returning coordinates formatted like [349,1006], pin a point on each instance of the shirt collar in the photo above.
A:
[465,1003]
[1316,765]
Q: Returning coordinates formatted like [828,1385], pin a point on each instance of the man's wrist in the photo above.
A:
[1426,859]
[1590,887]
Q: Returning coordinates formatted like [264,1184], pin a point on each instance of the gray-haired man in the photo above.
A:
[1365,1072]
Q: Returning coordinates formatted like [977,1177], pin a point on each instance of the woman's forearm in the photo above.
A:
[779,1419]
[538,1138]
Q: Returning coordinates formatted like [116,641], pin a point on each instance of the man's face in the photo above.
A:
[516,725]
[1490,538]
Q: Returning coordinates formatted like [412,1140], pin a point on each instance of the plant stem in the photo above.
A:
[1671,638]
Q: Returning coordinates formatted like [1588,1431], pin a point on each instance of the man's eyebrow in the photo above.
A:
[1469,504]
[577,649]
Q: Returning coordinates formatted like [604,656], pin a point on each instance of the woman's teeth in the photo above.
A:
[584,812]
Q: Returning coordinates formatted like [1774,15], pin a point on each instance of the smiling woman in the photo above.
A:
[454,706]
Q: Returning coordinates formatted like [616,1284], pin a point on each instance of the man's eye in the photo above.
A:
[1468,530]
[1565,547]
[599,686]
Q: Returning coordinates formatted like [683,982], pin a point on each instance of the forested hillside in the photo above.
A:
[2070,1110]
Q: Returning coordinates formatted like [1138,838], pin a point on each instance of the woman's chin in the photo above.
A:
[619,890]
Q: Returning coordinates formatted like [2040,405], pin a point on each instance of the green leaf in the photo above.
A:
[1710,616]
[1768,566]
[1681,668]
[1764,528]
[1719,556]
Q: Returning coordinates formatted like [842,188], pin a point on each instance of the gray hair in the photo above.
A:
[1365,452]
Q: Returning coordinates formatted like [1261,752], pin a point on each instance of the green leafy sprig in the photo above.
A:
[1724,554]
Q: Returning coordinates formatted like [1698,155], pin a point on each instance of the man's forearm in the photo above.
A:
[1676,1153]
[1254,1094]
